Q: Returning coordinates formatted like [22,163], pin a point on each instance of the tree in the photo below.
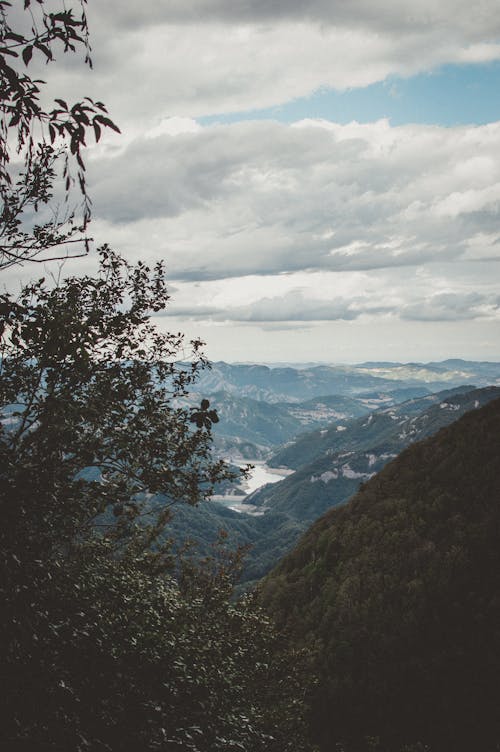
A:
[130,661]
[89,391]
[41,162]
[89,429]
[108,641]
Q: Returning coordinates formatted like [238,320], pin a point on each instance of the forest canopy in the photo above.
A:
[398,590]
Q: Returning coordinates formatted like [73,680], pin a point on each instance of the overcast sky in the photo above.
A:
[321,177]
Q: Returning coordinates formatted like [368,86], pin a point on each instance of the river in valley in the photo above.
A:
[258,477]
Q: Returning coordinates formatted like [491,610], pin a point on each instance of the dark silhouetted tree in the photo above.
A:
[109,642]
[41,162]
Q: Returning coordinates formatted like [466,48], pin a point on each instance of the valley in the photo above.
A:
[249,376]
[313,455]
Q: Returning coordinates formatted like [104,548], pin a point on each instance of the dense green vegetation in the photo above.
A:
[266,538]
[399,592]
[109,655]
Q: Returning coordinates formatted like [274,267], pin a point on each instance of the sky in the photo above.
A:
[321,178]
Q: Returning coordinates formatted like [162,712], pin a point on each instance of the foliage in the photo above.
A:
[398,591]
[41,149]
[292,504]
[267,537]
[109,642]
[88,392]
[119,658]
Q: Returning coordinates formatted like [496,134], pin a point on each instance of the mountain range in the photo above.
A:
[279,513]
[343,460]
[268,424]
[295,384]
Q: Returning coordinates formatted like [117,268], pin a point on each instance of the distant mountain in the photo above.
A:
[324,410]
[239,450]
[398,591]
[452,371]
[287,384]
[360,433]
[270,424]
[253,420]
[486,369]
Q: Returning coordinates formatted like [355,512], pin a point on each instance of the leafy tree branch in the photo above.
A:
[41,150]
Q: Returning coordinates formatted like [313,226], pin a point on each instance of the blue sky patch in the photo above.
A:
[452,95]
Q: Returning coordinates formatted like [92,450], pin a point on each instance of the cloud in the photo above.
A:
[264,198]
[157,60]
[294,306]
[389,15]
[323,297]
[452,307]
[278,227]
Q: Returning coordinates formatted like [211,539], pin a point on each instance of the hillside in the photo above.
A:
[269,424]
[353,456]
[270,536]
[360,433]
[291,505]
[399,592]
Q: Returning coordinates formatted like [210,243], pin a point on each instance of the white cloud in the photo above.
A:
[273,226]
[320,300]
[157,60]
[267,198]
[453,307]
[173,126]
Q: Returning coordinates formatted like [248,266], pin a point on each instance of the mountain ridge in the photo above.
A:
[288,513]
[285,384]
[335,474]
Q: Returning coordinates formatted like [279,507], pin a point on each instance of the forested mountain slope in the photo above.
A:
[269,424]
[361,433]
[399,590]
[356,454]
[292,504]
